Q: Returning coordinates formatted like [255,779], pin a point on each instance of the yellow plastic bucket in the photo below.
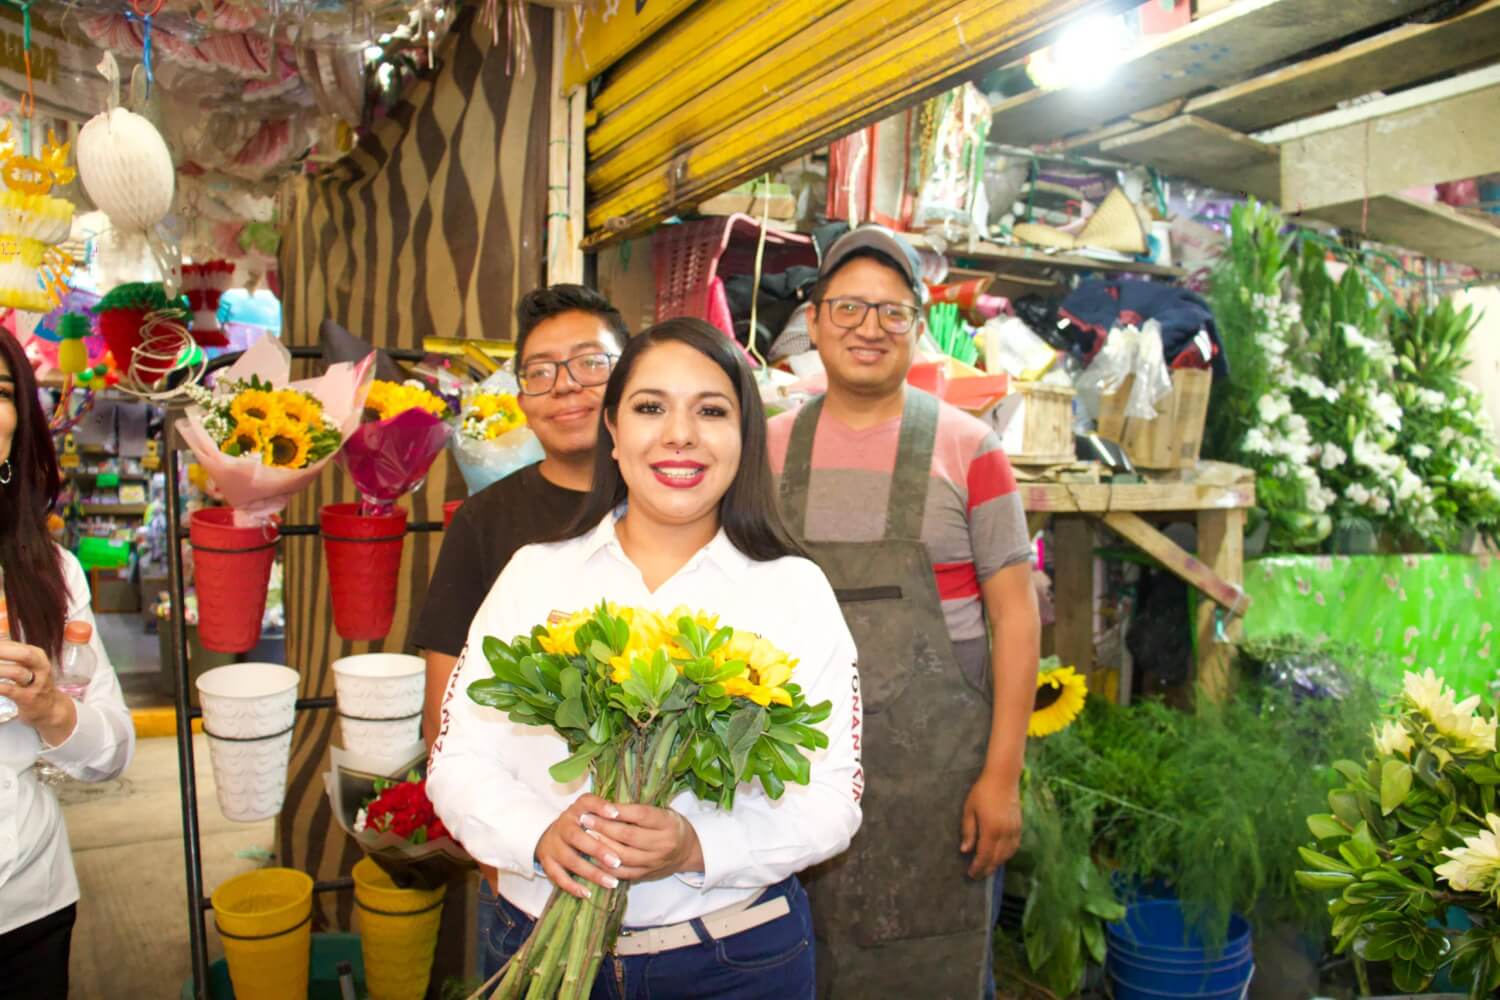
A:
[398,932]
[265,920]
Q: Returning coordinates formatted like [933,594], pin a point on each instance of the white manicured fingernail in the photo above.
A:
[611,812]
[612,861]
[611,881]
[587,821]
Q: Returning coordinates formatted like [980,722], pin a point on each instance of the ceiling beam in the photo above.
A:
[1388,61]
[1225,45]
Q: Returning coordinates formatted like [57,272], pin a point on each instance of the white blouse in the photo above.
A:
[36,863]
[488,777]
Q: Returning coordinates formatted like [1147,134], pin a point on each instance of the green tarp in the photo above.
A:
[1423,611]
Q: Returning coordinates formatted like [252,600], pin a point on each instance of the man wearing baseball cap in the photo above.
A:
[911,508]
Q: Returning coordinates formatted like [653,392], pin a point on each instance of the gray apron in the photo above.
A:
[897,915]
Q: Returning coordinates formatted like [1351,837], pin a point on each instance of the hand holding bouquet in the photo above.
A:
[650,706]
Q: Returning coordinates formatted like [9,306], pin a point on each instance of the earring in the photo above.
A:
[5,473]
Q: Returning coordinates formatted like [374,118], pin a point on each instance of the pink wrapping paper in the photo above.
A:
[389,458]
[257,491]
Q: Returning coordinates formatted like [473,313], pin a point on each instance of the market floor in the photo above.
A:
[131,940]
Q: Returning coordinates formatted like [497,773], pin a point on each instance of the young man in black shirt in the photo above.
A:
[567,339]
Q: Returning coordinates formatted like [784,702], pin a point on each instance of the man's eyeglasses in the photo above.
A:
[538,377]
[893,317]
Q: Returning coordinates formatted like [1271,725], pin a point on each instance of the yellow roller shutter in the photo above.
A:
[731,88]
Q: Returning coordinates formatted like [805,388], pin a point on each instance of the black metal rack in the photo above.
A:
[199,903]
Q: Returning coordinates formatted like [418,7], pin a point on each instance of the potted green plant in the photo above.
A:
[1413,841]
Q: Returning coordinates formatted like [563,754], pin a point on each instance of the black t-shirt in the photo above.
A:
[488,529]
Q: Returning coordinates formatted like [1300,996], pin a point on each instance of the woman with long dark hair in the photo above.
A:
[91,739]
[681,513]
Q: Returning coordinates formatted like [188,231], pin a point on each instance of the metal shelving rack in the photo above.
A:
[199,902]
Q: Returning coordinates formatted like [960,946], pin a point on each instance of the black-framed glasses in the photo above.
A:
[538,377]
[893,317]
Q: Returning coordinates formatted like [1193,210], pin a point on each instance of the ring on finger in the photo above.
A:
[30,677]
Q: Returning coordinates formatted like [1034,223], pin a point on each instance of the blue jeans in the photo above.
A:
[989,956]
[771,962]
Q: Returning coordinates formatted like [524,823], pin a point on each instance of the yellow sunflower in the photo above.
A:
[255,404]
[380,404]
[1060,694]
[285,444]
[767,669]
[301,407]
[246,435]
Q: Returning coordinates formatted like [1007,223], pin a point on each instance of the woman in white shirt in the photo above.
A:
[45,588]
[681,513]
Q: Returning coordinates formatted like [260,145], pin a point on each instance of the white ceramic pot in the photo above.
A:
[380,686]
[250,776]
[248,710]
[245,700]
[382,740]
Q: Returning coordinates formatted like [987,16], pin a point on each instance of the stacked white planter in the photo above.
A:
[380,702]
[248,710]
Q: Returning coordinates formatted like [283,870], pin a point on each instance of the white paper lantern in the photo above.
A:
[126,169]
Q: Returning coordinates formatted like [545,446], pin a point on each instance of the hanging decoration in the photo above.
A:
[33,272]
[165,347]
[204,284]
[128,173]
[123,312]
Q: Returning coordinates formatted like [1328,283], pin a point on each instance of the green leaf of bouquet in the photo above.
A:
[817,713]
[570,682]
[1323,881]
[600,651]
[571,715]
[773,785]
[745,728]
[1482,774]
[719,639]
[1345,806]
[731,668]
[1395,784]
[1351,771]
[420,835]
[572,768]
[1323,862]
[1325,827]
[492,693]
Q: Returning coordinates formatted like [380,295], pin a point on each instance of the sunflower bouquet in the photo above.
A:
[403,427]
[651,706]
[262,437]
[491,439]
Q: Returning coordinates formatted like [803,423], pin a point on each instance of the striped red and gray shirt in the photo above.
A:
[974,525]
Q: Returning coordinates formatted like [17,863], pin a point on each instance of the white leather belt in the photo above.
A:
[729,921]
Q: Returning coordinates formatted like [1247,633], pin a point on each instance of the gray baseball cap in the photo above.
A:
[876,237]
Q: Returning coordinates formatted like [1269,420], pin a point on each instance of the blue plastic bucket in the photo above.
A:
[1125,991]
[1181,979]
[1153,954]
[1156,930]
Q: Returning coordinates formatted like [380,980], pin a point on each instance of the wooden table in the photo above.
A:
[1217,570]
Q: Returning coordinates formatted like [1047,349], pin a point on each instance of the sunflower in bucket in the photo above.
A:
[1060,694]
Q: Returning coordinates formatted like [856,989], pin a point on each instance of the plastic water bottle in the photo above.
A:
[8,709]
[78,662]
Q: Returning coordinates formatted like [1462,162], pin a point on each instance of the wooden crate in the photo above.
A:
[1172,440]
[1035,423]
